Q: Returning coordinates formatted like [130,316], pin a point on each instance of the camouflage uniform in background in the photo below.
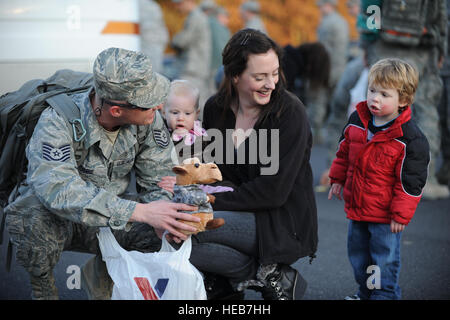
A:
[425,57]
[254,21]
[333,33]
[193,44]
[339,106]
[153,31]
[443,174]
[60,206]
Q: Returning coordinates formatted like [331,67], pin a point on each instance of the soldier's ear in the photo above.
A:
[115,111]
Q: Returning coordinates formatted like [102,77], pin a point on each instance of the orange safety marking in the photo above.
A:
[121,27]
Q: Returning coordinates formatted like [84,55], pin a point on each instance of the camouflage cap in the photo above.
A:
[322,2]
[252,6]
[125,75]
[208,5]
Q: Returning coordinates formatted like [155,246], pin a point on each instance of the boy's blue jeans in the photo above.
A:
[373,244]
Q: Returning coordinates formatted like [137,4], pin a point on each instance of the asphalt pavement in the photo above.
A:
[425,256]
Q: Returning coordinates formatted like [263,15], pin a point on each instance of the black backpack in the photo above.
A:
[404,21]
[20,111]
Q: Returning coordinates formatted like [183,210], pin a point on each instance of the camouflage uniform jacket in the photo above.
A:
[89,194]
[256,23]
[192,194]
[333,33]
[194,42]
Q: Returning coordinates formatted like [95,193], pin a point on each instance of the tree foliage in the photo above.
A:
[287,21]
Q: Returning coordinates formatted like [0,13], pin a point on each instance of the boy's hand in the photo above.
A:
[335,190]
[397,227]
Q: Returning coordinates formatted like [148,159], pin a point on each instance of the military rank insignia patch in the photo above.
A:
[51,153]
[161,137]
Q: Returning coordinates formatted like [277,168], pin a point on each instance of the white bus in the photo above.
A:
[38,37]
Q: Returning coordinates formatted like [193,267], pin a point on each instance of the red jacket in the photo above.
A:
[382,178]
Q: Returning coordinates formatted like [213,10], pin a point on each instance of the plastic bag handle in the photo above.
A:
[108,244]
[184,250]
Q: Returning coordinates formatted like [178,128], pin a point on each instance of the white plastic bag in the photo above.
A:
[163,275]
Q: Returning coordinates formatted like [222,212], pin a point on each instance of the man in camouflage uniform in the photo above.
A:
[60,206]
[443,174]
[251,14]
[153,32]
[426,57]
[333,33]
[193,45]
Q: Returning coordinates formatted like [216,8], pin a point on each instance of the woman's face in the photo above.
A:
[256,83]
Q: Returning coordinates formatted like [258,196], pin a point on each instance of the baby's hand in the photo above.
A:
[335,190]
[397,227]
[181,131]
[167,183]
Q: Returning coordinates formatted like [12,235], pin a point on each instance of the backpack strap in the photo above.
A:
[71,113]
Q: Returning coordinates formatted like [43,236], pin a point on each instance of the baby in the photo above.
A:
[181,111]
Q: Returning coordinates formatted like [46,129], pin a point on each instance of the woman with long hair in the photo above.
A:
[271,216]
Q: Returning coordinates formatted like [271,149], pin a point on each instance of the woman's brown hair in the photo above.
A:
[234,58]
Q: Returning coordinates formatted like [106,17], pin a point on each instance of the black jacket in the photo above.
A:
[284,203]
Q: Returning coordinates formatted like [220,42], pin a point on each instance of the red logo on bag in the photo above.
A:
[147,291]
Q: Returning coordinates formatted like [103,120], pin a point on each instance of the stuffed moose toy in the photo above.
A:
[187,190]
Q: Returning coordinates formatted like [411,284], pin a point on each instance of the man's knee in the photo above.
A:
[39,240]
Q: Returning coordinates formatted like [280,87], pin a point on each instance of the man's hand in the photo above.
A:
[167,183]
[335,190]
[163,215]
[397,227]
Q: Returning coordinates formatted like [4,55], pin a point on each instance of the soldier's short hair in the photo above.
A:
[396,74]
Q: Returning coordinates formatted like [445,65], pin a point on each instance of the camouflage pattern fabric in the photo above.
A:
[193,195]
[125,75]
[153,32]
[339,107]
[334,35]
[193,45]
[60,205]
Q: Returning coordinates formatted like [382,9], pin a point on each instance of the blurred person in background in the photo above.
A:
[193,47]
[333,33]
[251,15]
[220,34]
[443,174]
[154,34]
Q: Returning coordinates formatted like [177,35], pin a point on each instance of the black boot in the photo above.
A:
[283,283]
[219,288]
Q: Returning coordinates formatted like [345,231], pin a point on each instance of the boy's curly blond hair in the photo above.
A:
[396,74]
